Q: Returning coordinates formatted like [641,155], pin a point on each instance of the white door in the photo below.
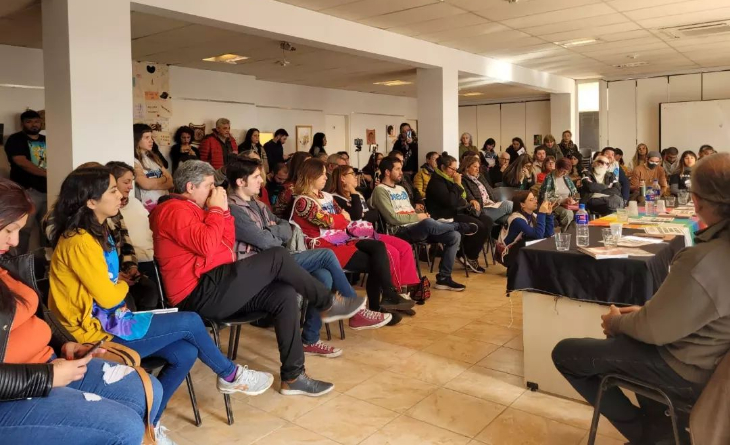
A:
[336,132]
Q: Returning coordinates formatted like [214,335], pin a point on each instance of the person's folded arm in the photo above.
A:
[200,237]
[163,183]
[23,381]
[247,231]
[679,308]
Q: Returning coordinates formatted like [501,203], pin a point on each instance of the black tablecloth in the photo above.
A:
[540,267]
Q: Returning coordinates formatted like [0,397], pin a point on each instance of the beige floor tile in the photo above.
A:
[392,391]
[555,408]
[502,317]
[486,332]
[460,413]
[407,336]
[514,427]
[346,420]
[430,368]
[603,440]
[250,425]
[487,384]
[293,434]
[344,373]
[407,431]
[287,407]
[517,343]
[439,323]
[506,360]
[376,353]
[458,349]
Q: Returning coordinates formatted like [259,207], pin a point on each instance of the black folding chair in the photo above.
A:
[640,388]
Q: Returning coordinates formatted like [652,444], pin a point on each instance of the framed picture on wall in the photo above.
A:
[370,137]
[304,137]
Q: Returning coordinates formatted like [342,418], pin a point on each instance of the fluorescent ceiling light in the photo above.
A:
[226,58]
[393,83]
[472,94]
[576,42]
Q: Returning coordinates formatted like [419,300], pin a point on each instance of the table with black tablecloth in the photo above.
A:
[565,293]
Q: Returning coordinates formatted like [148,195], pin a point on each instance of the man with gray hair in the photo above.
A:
[194,241]
[676,340]
[219,145]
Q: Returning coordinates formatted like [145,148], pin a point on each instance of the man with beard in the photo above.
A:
[26,152]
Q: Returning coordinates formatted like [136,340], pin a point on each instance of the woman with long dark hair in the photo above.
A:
[282,207]
[152,178]
[319,141]
[88,297]
[183,149]
[371,173]
[49,389]
[679,180]
[523,225]
[519,174]
[325,225]
[252,142]
[516,150]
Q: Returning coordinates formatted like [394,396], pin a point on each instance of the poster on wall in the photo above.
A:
[537,139]
[370,137]
[151,99]
[390,136]
[304,137]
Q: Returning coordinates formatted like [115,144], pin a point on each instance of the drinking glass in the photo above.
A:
[562,241]
[683,197]
[622,215]
[609,238]
[661,206]
[616,229]
[671,201]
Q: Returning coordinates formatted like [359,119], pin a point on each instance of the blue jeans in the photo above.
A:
[323,265]
[499,215]
[435,232]
[65,416]
[179,339]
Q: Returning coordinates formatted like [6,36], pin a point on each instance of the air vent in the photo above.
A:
[631,65]
[697,29]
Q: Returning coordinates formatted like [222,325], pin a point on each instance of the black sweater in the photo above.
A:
[443,198]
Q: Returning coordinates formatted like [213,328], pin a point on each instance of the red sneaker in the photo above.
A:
[322,349]
[367,319]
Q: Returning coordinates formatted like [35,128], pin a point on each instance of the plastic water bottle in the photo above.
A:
[581,227]
[657,190]
[642,184]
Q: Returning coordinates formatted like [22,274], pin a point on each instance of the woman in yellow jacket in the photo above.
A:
[420,180]
[88,298]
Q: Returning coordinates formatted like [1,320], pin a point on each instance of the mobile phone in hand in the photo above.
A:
[93,349]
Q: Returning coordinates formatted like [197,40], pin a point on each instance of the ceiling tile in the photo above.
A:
[414,15]
[441,24]
[316,5]
[504,10]
[370,8]
[593,32]
[147,25]
[630,5]
[685,19]
[561,16]
[577,24]
[463,32]
[676,9]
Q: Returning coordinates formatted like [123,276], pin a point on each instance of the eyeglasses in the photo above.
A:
[349,173]
[602,162]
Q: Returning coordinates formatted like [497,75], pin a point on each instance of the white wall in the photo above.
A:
[633,106]
[504,121]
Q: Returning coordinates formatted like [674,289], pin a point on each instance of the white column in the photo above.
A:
[563,115]
[87,55]
[438,111]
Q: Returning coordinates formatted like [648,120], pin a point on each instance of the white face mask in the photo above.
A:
[600,169]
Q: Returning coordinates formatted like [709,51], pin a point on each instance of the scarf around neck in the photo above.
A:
[446,177]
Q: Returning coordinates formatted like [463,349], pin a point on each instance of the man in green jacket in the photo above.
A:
[678,338]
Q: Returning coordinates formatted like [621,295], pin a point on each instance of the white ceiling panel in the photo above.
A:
[685,7]
[583,24]
[463,32]
[561,16]
[592,32]
[317,5]
[414,15]
[363,9]
[685,19]
[440,24]
[630,5]
[505,11]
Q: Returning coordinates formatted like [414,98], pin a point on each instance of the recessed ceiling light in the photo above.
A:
[226,58]
[576,42]
[472,94]
[631,65]
[393,83]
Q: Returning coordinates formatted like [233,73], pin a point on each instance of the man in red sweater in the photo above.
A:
[219,145]
[194,238]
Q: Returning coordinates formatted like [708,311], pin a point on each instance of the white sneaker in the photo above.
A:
[161,436]
[247,381]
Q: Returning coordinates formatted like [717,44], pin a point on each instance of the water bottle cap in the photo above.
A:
[582,206]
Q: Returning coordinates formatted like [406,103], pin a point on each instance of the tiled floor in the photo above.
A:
[450,375]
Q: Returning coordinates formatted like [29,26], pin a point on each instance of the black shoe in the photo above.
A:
[449,284]
[342,308]
[409,312]
[303,385]
[474,266]
[467,229]
[396,303]
[396,317]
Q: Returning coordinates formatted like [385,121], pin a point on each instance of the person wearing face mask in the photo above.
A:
[648,173]
[26,151]
[679,180]
[600,190]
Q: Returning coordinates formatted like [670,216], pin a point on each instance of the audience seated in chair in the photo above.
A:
[42,397]
[523,225]
[547,168]
[325,225]
[480,194]
[559,187]
[195,252]
[446,199]
[676,340]
[678,181]
[283,202]
[496,173]
[615,166]
[87,295]
[538,160]
[519,174]
[344,190]
[420,180]
[648,173]
[600,190]
[416,198]
[257,229]
[409,224]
